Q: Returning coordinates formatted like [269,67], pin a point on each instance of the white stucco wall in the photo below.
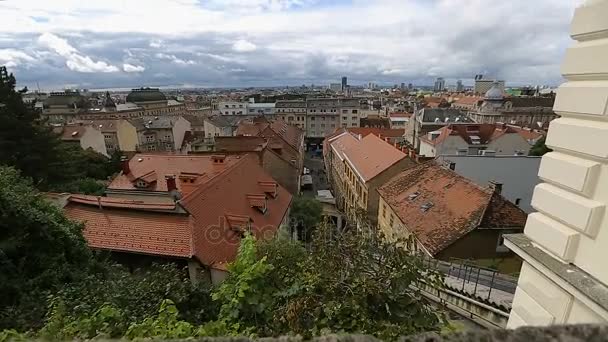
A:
[571,224]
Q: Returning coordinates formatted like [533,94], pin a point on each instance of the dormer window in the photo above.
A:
[238,223]
[259,202]
[218,158]
[140,183]
[270,188]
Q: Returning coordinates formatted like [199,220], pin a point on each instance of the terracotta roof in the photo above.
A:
[486,133]
[226,196]
[468,100]
[239,143]
[440,207]
[134,231]
[110,125]
[250,129]
[115,202]
[369,156]
[216,212]
[290,134]
[72,132]
[163,165]
[380,132]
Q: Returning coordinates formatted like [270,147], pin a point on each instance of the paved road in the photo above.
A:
[319,178]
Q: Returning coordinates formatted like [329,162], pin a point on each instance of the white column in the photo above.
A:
[571,224]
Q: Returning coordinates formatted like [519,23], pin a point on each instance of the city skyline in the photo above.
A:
[269,43]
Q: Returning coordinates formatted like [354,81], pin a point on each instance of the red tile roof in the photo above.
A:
[400,115]
[226,195]
[142,166]
[468,100]
[134,231]
[440,207]
[72,132]
[368,156]
[204,228]
[380,132]
[240,143]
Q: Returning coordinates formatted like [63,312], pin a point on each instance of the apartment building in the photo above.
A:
[357,167]
[324,115]
[475,139]
[427,120]
[119,134]
[426,203]
[160,133]
[232,107]
[564,278]
[292,111]
[86,136]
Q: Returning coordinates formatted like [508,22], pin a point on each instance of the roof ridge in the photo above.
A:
[214,179]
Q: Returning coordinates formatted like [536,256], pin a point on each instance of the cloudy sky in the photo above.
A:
[128,43]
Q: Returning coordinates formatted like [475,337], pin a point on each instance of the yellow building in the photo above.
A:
[357,166]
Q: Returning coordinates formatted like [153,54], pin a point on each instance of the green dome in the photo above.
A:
[146,95]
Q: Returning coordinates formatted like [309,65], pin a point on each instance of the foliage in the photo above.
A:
[246,299]
[306,214]
[107,322]
[164,326]
[87,186]
[139,293]
[539,148]
[40,250]
[25,143]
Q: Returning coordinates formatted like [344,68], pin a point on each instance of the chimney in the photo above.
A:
[171,185]
[124,162]
[497,187]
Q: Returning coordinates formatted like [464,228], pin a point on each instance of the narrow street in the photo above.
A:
[316,170]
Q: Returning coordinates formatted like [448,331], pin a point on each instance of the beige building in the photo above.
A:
[160,133]
[292,111]
[69,106]
[324,115]
[564,278]
[87,136]
[357,167]
[528,111]
[119,134]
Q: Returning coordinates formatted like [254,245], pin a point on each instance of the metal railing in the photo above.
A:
[475,281]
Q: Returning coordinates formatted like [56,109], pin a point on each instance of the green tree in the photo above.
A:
[40,250]
[25,142]
[539,148]
[306,214]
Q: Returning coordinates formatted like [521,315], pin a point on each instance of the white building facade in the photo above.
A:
[564,276]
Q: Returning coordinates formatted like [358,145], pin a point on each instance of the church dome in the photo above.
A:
[146,95]
[495,93]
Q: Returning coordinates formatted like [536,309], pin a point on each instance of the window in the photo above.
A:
[333,118]
[149,138]
[333,125]
[312,125]
[354,124]
[345,118]
[392,220]
[323,118]
[312,118]
[344,125]
[517,201]
[168,138]
[384,211]
[107,137]
[354,118]
[354,111]
[152,148]
[344,111]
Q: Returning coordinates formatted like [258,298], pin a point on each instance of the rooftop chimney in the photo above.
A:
[497,187]
[124,162]
[171,185]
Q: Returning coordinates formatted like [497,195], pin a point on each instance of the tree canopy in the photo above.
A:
[305,214]
[539,148]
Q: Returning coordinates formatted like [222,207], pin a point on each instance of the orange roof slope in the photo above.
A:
[380,132]
[134,231]
[220,200]
[142,165]
[369,156]
[440,207]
